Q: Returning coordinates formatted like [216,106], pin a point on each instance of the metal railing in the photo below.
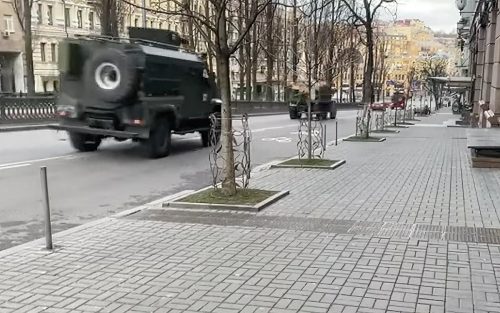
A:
[20,109]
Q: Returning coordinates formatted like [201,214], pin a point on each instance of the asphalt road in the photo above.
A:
[88,186]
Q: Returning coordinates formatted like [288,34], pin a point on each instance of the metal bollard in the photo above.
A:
[46,205]
[336,130]
[324,138]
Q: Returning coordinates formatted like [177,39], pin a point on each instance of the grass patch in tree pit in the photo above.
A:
[309,162]
[242,197]
[364,139]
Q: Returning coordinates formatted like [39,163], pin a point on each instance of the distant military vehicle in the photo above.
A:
[322,106]
[143,88]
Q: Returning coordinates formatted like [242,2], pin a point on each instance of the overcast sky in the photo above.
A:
[440,15]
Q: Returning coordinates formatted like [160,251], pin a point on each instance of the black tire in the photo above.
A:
[84,142]
[120,70]
[159,143]
[293,115]
[333,115]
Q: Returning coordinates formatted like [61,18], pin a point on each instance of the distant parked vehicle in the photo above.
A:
[425,110]
[398,101]
[379,106]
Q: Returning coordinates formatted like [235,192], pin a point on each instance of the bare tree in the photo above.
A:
[22,8]
[365,13]
[433,66]
[381,69]
[270,50]
[111,15]
[336,59]
[224,47]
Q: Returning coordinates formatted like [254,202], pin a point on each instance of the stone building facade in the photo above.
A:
[11,50]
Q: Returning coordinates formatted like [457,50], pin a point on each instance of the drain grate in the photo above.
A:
[375,229]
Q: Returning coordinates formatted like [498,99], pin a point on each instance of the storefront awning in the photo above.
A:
[455,81]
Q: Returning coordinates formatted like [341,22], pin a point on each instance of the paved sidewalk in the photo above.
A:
[405,226]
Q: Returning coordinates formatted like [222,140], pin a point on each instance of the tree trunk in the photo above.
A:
[254,62]
[367,80]
[340,90]
[209,42]
[248,59]
[269,52]
[30,73]
[229,180]
[285,60]
[109,18]
[241,56]
[295,41]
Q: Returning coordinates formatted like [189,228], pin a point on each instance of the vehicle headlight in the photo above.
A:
[292,104]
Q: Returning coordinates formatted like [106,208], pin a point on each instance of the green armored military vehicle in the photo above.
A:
[144,88]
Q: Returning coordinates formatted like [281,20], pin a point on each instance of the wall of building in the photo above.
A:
[11,50]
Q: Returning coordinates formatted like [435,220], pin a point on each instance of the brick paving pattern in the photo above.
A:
[278,260]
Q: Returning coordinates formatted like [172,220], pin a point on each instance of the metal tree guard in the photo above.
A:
[311,144]
[241,151]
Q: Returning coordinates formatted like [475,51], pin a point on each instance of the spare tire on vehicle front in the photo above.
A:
[111,75]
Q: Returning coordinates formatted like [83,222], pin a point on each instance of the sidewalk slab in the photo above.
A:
[404,226]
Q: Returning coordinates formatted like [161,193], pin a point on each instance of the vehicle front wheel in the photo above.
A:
[84,142]
[159,143]
[293,115]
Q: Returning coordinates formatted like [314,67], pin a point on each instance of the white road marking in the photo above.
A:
[260,130]
[14,166]
[36,160]
[278,139]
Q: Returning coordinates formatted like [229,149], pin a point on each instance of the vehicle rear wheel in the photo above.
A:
[84,142]
[294,115]
[159,143]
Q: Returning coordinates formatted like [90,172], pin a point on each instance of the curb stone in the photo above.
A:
[14,128]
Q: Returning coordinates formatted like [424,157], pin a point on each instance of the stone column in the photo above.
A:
[479,59]
[495,79]
[489,56]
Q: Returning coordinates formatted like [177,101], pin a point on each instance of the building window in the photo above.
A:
[39,13]
[151,24]
[50,16]
[45,83]
[160,25]
[79,18]
[56,85]
[91,20]
[8,23]
[136,22]
[53,52]
[42,51]
[67,17]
